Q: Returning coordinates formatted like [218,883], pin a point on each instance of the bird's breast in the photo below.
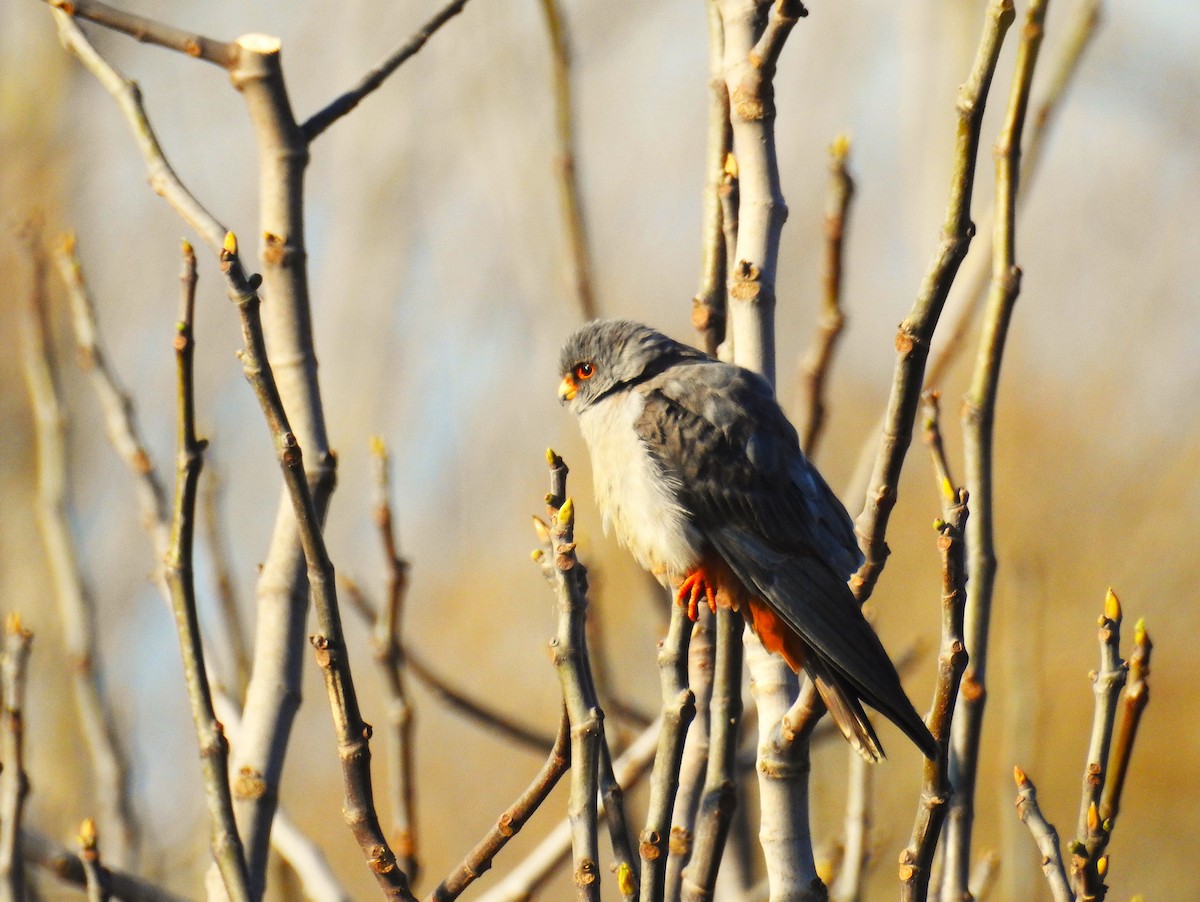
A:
[637,497]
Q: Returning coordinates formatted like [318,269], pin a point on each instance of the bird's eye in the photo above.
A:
[584,371]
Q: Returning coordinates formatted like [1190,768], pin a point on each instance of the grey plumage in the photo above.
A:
[693,456]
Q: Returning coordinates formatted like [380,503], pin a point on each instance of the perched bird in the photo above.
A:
[700,475]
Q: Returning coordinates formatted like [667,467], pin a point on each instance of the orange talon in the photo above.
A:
[695,586]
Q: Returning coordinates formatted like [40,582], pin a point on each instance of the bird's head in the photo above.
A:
[608,355]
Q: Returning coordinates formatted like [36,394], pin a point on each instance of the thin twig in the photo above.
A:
[75,605]
[128,96]
[977,270]
[708,306]
[386,642]
[148,31]
[227,847]
[1088,864]
[694,763]
[932,435]
[814,368]
[523,881]
[720,784]
[321,120]
[678,711]
[1107,683]
[1044,835]
[912,340]
[568,179]
[471,708]
[353,734]
[65,865]
[216,539]
[1137,696]
[916,861]
[14,783]
[94,871]
[479,859]
[978,417]
[585,716]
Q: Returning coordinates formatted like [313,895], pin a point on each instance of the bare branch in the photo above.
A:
[977,270]
[319,121]
[912,340]
[1044,835]
[932,434]
[479,859]
[916,861]
[128,96]
[14,783]
[814,368]
[1137,696]
[148,31]
[216,539]
[353,734]
[708,306]
[214,747]
[695,752]
[386,641]
[849,885]
[978,416]
[568,648]
[568,179]
[720,784]
[678,710]
[1107,683]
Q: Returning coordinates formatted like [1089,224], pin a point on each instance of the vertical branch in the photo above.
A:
[978,416]
[570,585]
[678,710]
[1107,683]
[814,369]
[1137,696]
[14,784]
[214,747]
[76,608]
[694,763]
[916,861]
[352,732]
[912,340]
[568,179]
[387,641]
[708,306]
[720,784]
[1044,835]
[754,39]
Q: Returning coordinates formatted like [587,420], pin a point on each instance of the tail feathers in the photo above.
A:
[846,710]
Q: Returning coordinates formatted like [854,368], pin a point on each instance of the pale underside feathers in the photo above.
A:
[710,463]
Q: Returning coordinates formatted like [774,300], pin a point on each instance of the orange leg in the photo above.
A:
[696,585]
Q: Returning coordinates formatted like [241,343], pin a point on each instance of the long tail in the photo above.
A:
[836,645]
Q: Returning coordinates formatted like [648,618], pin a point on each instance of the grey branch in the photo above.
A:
[1044,835]
[214,746]
[978,418]
[66,866]
[321,120]
[353,734]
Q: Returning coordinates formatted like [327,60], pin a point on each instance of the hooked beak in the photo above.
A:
[567,389]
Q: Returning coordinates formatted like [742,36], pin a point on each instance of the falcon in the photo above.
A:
[700,475]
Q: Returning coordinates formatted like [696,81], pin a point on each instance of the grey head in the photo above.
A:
[609,355]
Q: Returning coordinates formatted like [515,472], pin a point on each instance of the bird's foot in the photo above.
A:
[695,587]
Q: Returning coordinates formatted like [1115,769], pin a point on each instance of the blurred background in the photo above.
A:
[441,296]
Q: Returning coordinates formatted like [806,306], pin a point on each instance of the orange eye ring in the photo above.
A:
[584,371]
